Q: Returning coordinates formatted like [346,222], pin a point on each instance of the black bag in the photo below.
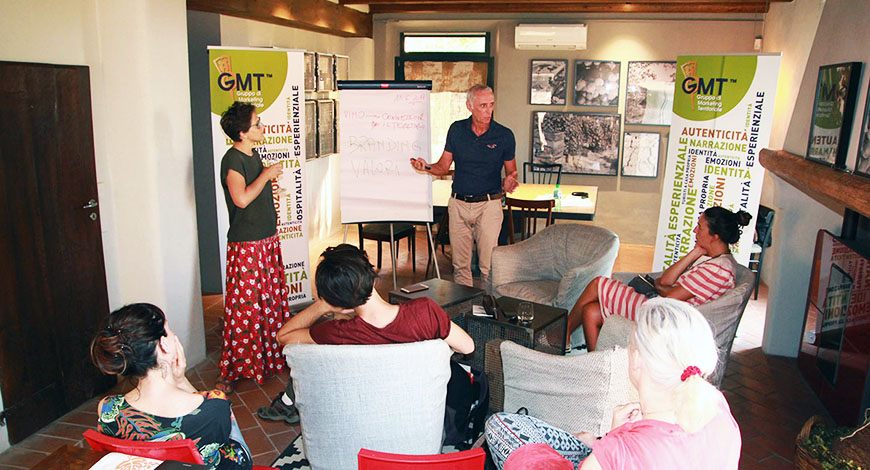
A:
[645,285]
[467,405]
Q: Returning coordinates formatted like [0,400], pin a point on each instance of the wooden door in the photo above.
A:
[52,274]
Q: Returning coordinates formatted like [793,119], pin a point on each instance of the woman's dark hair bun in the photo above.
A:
[743,218]
[127,344]
[728,225]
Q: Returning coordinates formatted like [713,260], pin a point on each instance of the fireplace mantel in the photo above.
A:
[830,187]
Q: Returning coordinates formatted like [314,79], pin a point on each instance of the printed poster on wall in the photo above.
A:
[723,112]
[271,80]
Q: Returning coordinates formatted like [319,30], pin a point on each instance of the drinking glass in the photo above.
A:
[525,312]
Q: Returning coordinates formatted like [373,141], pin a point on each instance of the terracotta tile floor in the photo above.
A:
[767,395]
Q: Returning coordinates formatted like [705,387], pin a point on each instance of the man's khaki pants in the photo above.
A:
[470,221]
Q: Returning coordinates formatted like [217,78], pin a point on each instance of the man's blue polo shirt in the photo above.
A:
[479,159]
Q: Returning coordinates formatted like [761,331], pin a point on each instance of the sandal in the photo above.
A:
[224,385]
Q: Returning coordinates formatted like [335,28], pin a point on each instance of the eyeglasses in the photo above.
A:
[258,124]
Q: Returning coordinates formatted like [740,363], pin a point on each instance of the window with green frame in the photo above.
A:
[454,62]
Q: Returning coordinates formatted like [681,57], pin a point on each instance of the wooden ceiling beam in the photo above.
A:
[320,16]
[577,7]
[564,2]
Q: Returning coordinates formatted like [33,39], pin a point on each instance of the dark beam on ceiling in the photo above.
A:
[575,7]
[320,16]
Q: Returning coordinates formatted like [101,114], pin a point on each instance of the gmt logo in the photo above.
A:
[242,82]
[692,85]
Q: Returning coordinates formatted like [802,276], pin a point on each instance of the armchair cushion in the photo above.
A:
[569,256]
[388,398]
[574,393]
[723,314]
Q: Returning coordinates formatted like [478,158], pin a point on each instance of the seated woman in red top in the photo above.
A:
[681,421]
[700,277]
[163,406]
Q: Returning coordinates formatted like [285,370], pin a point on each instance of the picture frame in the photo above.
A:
[649,94]
[640,154]
[583,143]
[309,75]
[833,113]
[310,129]
[342,67]
[325,127]
[862,163]
[548,82]
[596,83]
[325,72]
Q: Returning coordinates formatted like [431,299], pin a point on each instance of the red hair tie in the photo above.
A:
[690,371]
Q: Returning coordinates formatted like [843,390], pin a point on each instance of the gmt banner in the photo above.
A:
[271,80]
[723,111]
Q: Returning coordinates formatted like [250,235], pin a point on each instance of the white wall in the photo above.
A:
[321,175]
[841,36]
[137,56]
[789,29]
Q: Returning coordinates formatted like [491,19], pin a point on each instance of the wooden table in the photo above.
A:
[71,458]
[454,298]
[441,191]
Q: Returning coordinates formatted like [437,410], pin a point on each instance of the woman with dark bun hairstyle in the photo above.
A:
[138,344]
[255,300]
[702,276]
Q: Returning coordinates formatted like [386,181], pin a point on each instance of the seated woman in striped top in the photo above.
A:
[703,275]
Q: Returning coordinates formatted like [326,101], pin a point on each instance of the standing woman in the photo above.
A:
[255,305]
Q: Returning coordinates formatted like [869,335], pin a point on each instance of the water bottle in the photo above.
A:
[557,196]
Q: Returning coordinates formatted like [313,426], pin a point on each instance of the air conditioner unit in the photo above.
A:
[550,36]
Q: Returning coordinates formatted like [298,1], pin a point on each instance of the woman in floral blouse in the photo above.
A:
[163,406]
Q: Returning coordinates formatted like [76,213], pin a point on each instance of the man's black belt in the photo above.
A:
[481,198]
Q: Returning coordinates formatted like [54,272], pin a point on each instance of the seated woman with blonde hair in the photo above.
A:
[680,422]
[163,406]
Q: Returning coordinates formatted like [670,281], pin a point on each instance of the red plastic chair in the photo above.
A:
[472,459]
[181,450]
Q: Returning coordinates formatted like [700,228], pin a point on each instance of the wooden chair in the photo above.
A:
[528,216]
[542,173]
[472,459]
[381,233]
[181,450]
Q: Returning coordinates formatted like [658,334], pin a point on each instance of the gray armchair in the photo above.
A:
[555,265]
[723,314]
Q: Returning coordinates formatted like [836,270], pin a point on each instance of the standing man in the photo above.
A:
[480,147]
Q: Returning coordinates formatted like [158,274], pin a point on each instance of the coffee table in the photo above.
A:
[455,299]
[546,333]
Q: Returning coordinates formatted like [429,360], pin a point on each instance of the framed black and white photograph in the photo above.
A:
[583,143]
[310,129]
[596,83]
[640,154]
[325,127]
[549,81]
[833,113]
[649,95]
[342,67]
[310,72]
[325,72]
[862,164]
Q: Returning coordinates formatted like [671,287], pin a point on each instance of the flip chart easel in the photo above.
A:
[382,125]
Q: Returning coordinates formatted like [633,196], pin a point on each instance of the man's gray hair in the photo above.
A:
[469,97]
